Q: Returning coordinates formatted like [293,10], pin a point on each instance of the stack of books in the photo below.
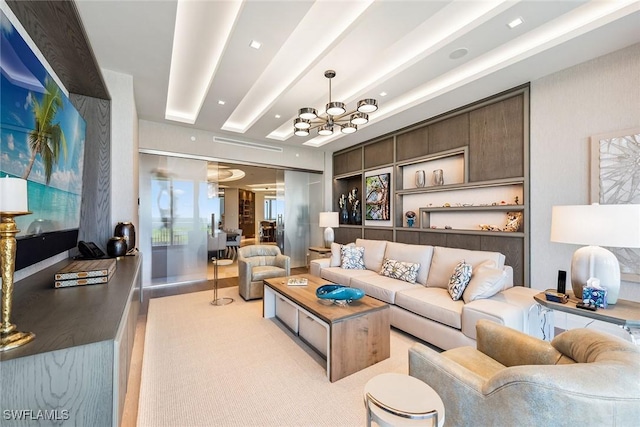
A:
[91,272]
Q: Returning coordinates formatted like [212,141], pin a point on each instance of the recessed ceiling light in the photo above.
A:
[221,102]
[515,22]
[278,116]
[383,93]
[193,138]
[459,53]
[255,44]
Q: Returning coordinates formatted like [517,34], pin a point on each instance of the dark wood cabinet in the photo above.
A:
[247,212]
[496,140]
[347,162]
[379,153]
[449,133]
[412,144]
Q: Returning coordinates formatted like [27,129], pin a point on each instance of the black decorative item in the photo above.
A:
[356,216]
[344,212]
[127,231]
[117,246]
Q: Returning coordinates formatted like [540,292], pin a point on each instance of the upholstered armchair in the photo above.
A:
[583,377]
[259,262]
[234,237]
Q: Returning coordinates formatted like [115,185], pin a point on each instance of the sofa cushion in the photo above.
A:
[445,260]
[459,280]
[381,287]
[351,258]
[262,272]
[419,254]
[373,253]
[486,281]
[343,277]
[433,303]
[405,271]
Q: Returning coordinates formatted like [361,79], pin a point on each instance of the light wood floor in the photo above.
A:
[130,412]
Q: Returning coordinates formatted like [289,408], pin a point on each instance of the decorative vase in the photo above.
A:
[358,217]
[438,177]
[117,246]
[353,217]
[127,231]
[420,178]
[344,216]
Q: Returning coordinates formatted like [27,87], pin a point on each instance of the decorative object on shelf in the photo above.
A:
[420,179]
[378,197]
[446,205]
[593,293]
[344,213]
[514,221]
[438,177]
[117,246]
[487,227]
[13,202]
[127,231]
[355,216]
[516,200]
[614,180]
[335,115]
[607,225]
[339,294]
[411,218]
[329,220]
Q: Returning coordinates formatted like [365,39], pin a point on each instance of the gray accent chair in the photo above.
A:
[259,262]
[583,377]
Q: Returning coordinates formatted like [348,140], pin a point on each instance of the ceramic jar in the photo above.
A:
[116,246]
[420,179]
[127,231]
[438,177]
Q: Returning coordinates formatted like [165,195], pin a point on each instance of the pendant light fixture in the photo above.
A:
[335,116]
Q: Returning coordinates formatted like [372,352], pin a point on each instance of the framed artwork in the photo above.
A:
[378,197]
[615,179]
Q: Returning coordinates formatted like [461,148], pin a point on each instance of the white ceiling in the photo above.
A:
[399,47]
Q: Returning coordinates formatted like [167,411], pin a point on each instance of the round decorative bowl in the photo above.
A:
[339,294]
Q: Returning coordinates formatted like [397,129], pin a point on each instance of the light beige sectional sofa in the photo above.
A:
[425,309]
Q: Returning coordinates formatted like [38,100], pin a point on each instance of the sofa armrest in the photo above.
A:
[283,261]
[316,265]
[244,271]
[512,348]
[508,281]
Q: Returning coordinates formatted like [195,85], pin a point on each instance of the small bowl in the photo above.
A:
[339,293]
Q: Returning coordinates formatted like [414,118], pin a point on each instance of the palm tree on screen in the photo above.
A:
[47,139]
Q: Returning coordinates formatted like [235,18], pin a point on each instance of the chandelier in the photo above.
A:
[335,115]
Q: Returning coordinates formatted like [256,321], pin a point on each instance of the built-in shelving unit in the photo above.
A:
[481,150]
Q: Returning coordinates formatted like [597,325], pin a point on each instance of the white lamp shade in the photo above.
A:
[13,195]
[329,219]
[600,225]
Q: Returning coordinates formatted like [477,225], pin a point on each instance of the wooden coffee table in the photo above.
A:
[350,337]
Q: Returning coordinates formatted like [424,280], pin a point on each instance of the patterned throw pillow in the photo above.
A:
[407,271]
[459,280]
[352,257]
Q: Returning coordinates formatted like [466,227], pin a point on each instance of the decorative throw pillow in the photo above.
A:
[406,271]
[485,282]
[352,257]
[459,280]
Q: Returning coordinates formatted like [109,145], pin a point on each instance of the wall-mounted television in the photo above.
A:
[42,140]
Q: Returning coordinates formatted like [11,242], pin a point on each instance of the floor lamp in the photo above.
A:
[596,225]
[329,220]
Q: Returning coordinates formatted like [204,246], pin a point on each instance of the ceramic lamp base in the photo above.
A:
[594,261]
[328,237]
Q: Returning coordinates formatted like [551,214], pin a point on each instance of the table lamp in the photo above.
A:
[329,220]
[596,225]
[13,202]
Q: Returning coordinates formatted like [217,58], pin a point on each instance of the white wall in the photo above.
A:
[567,107]
[124,148]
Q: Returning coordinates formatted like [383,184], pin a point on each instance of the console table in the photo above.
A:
[75,372]
[624,313]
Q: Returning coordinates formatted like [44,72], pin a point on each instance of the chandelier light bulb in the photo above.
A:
[308,113]
[336,108]
[301,123]
[301,132]
[349,128]
[325,130]
[359,118]
[368,105]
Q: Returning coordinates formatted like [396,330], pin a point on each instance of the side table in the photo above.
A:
[216,300]
[316,252]
[397,399]
[624,313]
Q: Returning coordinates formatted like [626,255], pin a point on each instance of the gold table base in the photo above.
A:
[15,339]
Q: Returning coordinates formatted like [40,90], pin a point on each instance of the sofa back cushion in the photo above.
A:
[445,260]
[420,254]
[373,253]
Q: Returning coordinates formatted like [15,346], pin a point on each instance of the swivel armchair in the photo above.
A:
[256,263]
[583,377]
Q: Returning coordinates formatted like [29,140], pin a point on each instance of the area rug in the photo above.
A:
[207,365]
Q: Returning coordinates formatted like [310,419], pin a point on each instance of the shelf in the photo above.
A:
[505,208]
[463,186]
[515,234]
